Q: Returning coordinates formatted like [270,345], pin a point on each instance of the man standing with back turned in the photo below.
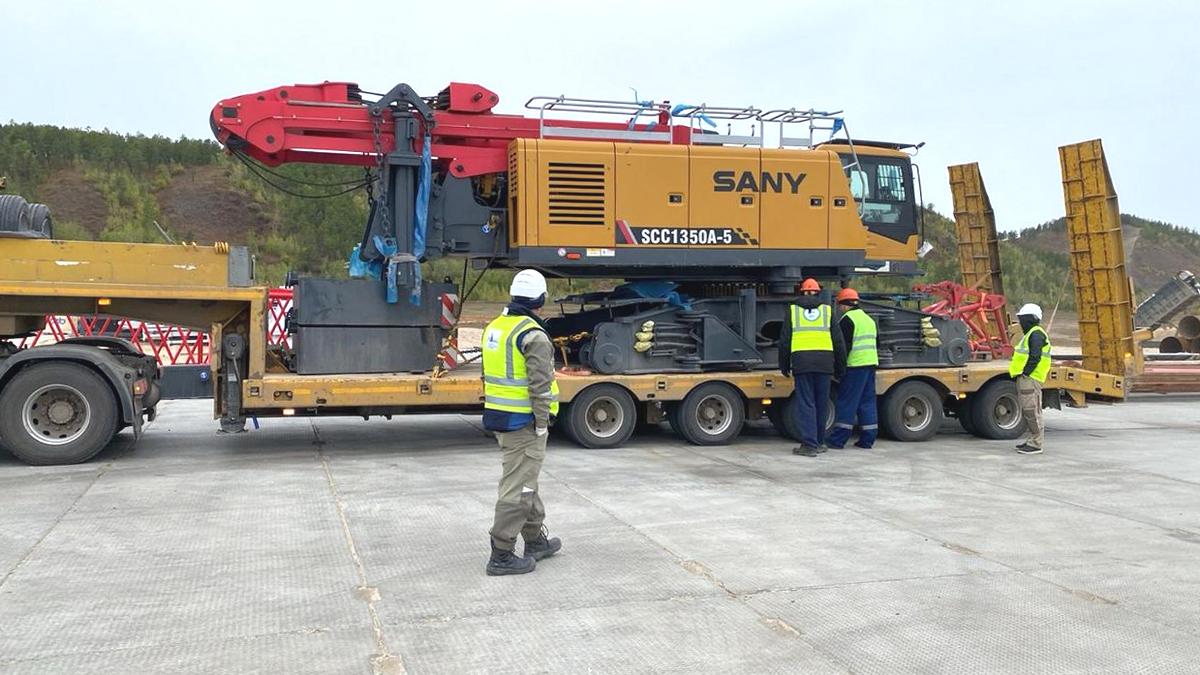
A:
[856,391]
[811,349]
[1029,367]
[520,402]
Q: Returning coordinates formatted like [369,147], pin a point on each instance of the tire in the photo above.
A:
[14,213]
[782,419]
[996,413]
[911,411]
[711,414]
[965,414]
[560,428]
[673,419]
[57,413]
[601,416]
[785,423]
[39,220]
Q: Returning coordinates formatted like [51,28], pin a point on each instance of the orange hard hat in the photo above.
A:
[810,284]
[847,294]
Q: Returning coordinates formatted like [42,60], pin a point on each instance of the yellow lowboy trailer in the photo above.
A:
[85,400]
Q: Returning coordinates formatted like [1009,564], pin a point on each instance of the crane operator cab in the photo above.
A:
[885,184]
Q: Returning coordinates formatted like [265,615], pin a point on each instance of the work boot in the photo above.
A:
[1027,449]
[807,451]
[506,562]
[542,546]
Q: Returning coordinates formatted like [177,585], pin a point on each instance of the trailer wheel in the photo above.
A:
[561,425]
[602,416]
[785,423]
[996,412]
[711,414]
[57,413]
[911,411]
[966,414]
[782,419]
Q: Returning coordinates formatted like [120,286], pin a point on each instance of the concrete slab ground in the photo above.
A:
[344,546]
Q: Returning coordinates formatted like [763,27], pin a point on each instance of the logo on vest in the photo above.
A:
[493,339]
[812,314]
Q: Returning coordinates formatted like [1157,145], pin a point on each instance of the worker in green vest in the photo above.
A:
[856,390]
[1029,367]
[520,402]
[811,350]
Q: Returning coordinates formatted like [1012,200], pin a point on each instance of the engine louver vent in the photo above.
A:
[577,193]
[513,173]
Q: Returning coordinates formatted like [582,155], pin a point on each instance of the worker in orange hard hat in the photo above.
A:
[856,389]
[811,350]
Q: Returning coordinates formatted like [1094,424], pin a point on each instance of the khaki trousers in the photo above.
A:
[519,509]
[1029,395]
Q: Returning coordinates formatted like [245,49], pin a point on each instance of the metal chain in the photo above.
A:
[380,170]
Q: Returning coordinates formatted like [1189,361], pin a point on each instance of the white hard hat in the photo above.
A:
[528,284]
[1030,309]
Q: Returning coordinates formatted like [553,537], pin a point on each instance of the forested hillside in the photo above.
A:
[117,187]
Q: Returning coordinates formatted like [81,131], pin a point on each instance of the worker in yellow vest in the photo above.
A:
[1030,366]
[812,350]
[856,389]
[520,402]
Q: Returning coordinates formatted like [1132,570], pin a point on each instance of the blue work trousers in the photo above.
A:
[856,398]
[810,406]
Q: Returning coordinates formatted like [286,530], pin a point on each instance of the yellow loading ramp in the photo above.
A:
[1103,293]
[975,225]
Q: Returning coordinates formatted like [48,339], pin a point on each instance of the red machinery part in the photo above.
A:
[982,312]
[169,344]
[330,123]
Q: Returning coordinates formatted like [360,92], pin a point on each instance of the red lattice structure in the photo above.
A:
[169,344]
[982,312]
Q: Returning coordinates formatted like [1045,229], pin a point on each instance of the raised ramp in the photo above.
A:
[975,225]
[1102,292]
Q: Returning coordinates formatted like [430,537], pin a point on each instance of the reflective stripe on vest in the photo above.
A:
[1021,357]
[811,335]
[505,379]
[863,352]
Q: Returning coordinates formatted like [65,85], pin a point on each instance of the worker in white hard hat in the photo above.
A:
[520,402]
[1029,367]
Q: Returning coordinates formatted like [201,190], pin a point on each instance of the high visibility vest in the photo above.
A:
[863,352]
[811,334]
[505,380]
[1021,357]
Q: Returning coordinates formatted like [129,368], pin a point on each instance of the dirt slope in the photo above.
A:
[199,205]
[72,198]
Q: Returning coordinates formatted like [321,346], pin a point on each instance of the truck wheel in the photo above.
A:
[711,414]
[966,414]
[602,416]
[996,413]
[911,411]
[57,413]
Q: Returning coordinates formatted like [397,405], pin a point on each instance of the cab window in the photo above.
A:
[882,187]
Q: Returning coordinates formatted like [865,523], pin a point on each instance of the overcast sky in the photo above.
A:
[1001,83]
